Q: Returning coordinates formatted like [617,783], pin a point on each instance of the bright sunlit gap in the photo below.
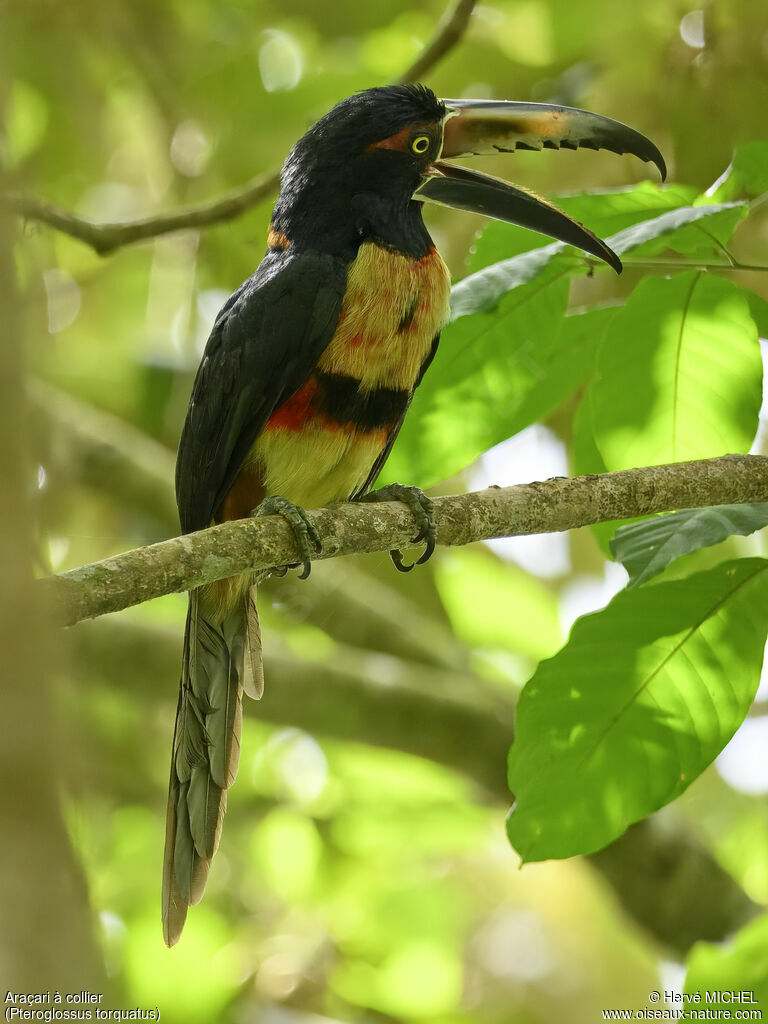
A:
[533,454]
[64,300]
[743,763]
[692,30]
[281,61]
[190,148]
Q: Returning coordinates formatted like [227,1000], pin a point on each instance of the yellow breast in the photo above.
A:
[393,308]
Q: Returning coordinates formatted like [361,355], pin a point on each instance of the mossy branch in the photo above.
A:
[107,237]
[448,33]
[354,528]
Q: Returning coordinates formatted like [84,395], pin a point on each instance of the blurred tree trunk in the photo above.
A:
[46,933]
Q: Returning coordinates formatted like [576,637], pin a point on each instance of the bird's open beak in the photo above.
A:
[475,127]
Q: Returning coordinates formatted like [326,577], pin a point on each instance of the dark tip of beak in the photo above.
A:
[463,189]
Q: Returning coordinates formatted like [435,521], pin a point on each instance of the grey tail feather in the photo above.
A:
[222,657]
[253,677]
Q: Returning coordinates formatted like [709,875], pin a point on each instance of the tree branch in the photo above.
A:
[449,31]
[681,263]
[87,446]
[354,528]
[105,238]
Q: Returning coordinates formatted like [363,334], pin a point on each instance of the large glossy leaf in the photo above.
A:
[646,548]
[587,459]
[747,174]
[498,367]
[679,374]
[640,700]
[740,965]
[483,292]
[759,309]
[565,363]
[604,213]
[695,231]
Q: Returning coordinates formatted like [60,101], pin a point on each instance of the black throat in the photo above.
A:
[336,208]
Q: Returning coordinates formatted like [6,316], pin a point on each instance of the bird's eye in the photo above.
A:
[420,144]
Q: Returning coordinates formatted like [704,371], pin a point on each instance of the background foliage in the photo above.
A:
[358,880]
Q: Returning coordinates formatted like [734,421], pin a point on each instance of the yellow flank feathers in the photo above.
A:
[317,464]
[393,308]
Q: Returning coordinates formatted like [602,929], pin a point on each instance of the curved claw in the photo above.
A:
[313,536]
[428,551]
[397,561]
[421,535]
[428,531]
[307,537]
[421,508]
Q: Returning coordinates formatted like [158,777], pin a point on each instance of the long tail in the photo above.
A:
[222,657]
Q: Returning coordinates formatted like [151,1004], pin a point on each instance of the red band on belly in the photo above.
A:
[294,413]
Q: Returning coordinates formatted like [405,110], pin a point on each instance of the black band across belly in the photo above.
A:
[340,399]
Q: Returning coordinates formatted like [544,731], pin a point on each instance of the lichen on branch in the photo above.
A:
[549,506]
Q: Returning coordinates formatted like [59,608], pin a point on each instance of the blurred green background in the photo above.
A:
[364,872]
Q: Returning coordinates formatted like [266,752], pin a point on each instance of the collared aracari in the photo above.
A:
[309,371]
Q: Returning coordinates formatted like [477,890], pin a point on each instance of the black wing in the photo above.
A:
[264,344]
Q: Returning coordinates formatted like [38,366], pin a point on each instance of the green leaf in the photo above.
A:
[482,292]
[607,213]
[646,548]
[586,455]
[679,374]
[565,361]
[741,965]
[641,699]
[586,460]
[758,307]
[747,174]
[493,373]
[604,213]
[741,846]
[693,231]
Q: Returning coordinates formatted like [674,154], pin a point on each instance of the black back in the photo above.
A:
[263,346]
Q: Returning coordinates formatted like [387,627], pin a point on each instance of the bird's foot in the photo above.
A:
[422,510]
[306,536]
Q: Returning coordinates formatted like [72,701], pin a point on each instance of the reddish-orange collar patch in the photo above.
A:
[401,140]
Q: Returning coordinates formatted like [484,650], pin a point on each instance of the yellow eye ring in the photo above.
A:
[420,144]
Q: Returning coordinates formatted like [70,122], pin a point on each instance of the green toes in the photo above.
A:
[422,510]
[306,536]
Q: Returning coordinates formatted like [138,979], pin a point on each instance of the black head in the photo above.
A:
[352,175]
[363,120]
[355,175]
